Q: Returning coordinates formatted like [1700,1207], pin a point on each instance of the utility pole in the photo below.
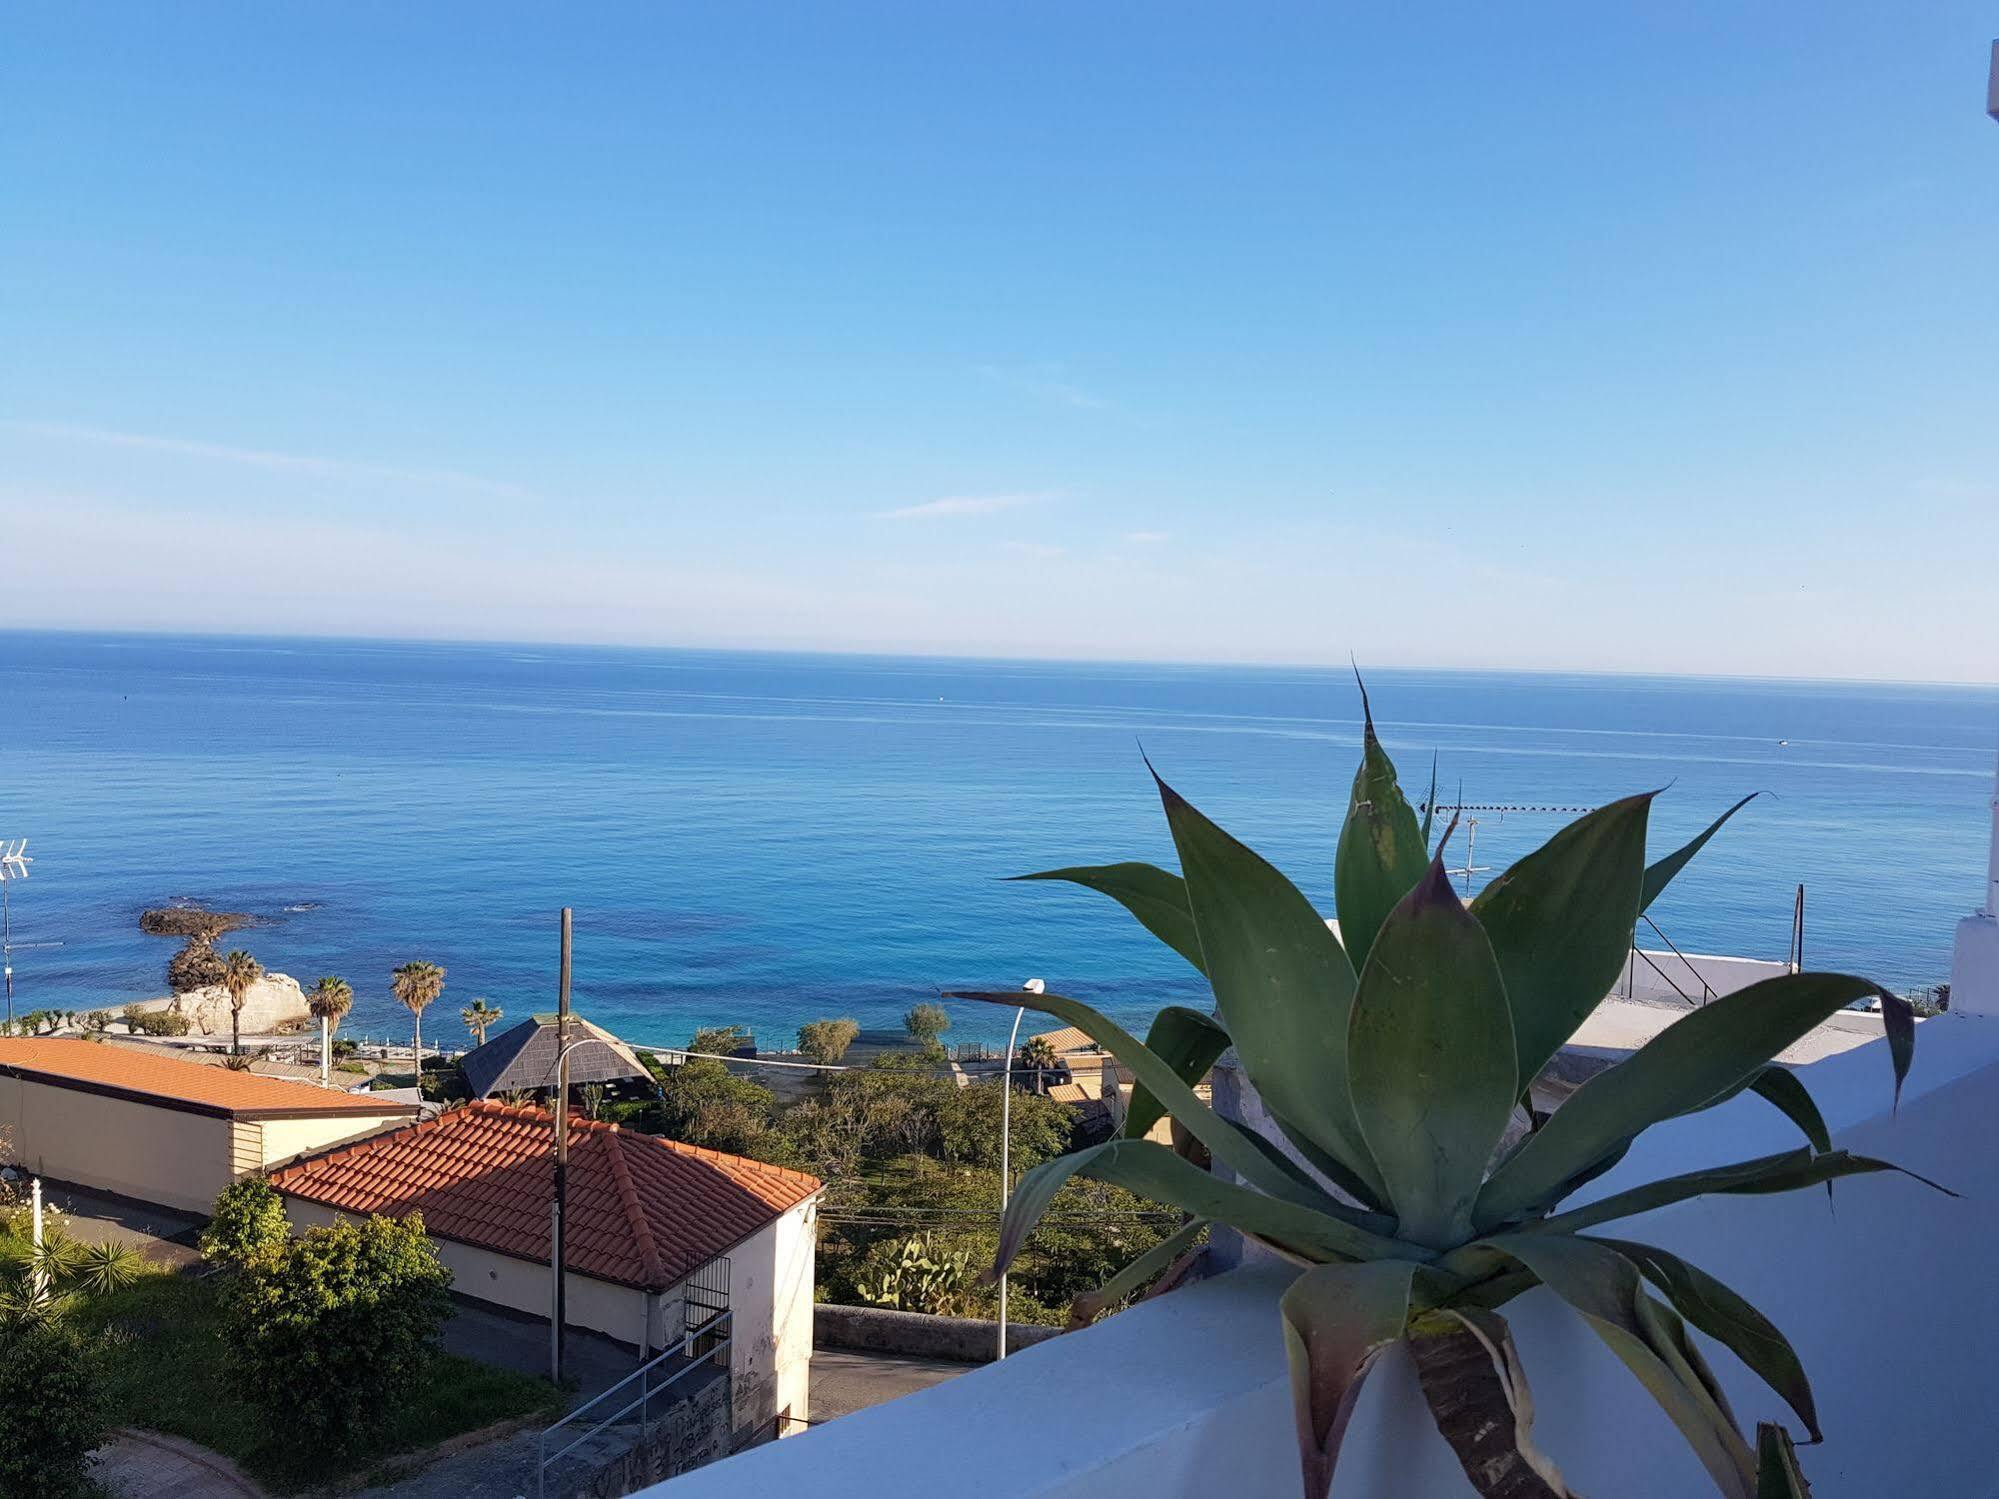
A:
[555,1265]
[1032,986]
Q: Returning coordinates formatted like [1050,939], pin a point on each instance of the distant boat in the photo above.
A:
[1783,744]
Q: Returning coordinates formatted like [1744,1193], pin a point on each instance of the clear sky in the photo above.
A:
[1658,337]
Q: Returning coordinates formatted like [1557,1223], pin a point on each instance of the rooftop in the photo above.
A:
[521,1058]
[643,1211]
[171,1082]
[1067,1040]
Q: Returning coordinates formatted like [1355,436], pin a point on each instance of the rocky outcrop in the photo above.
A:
[272,1003]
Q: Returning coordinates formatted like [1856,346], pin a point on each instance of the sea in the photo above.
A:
[764,839]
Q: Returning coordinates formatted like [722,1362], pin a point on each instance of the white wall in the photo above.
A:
[770,1296]
[167,1156]
[287,1139]
[1884,1290]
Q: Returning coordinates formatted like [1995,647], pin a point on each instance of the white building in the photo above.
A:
[662,1238]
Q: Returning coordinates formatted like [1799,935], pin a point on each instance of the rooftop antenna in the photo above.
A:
[14,862]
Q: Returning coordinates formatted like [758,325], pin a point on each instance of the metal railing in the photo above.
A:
[1707,989]
[714,1335]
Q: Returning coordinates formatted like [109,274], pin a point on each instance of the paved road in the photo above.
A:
[146,1465]
[163,1235]
[844,1381]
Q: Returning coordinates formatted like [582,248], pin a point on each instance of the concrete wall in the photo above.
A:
[878,1329]
[287,1139]
[176,1159]
[1882,1289]
[1654,975]
[770,1293]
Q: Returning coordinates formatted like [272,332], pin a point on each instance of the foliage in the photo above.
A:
[719,1040]
[327,1334]
[248,1223]
[240,1061]
[196,966]
[98,1019]
[155,1022]
[1396,1063]
[170,1371]
[479,1017]
[916,1276]
[239,972]
[926,1022]
[329,999]
[1037,1058]
[52,1408]
[826,1041]
[882,1112]
[703,1103]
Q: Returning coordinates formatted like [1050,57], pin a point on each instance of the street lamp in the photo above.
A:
[1032,986]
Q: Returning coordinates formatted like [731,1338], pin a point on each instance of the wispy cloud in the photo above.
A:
[966,504]
[262,458]
[1148,538]
[1038,551]
[1048,382]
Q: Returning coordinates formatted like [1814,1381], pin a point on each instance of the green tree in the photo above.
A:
[416,986]
[826,1041]
[329,1000]
[926,1023]
[239,972]
[53,1412]
[718,1040]
[329,1333]
[703,1103]
[248,1224]
[479,1017]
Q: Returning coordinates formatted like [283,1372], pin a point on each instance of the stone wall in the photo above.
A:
[874,1329]
[693,1433]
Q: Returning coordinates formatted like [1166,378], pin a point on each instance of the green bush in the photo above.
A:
[826,1041]
[155,1022]
[249,1223]
[926,1023]
[330,1333]
[52,1407]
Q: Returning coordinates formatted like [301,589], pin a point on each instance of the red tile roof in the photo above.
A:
[643,1211]
[152,1076]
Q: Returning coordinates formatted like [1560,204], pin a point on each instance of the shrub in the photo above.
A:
[926,1022]
[327,1334]
[52,1408]
[195,966]
[249,1223]
[155,1022]
[826,1041]
[99,1019]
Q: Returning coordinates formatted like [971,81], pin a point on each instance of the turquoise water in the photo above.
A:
[764,838]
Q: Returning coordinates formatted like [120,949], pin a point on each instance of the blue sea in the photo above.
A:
[764,838]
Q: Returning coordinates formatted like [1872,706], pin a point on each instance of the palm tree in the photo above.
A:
[1037,1054]
[330,999]
[239,972]
[477,1016]
[415,986]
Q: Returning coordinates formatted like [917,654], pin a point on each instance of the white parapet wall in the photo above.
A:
[1885,1290]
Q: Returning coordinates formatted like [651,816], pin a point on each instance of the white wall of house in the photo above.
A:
[287,1139]
[167,1156]
[1880,1289]
[770,1293]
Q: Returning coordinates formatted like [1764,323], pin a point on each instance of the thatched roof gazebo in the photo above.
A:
[521,1059]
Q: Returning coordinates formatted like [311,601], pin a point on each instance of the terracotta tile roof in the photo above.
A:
[153,1076]
[642,1211]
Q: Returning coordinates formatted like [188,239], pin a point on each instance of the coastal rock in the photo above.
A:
[274,1001]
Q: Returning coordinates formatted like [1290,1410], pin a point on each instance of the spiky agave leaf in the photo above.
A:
[1777,1473]
[1188,1042]
[1382,850]
[1338,1319]
[1471,1378]
[1658,876]
[1158,899]
[1157,1261]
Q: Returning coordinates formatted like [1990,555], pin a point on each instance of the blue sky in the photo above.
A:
[1579,336]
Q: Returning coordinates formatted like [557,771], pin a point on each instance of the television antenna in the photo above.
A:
[14,862]
[1468,813]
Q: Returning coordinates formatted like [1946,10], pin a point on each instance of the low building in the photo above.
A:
[521,1059]
[161,1129]
[662,1238]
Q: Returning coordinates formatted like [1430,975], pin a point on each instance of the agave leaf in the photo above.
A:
[1786,1171]
[1152,1171]
[1778,1475]
[1338,1319]
[1688,1063]
[1730,1321]
[1430,801]
[1604,1288]
[1250,1157]
[1382,851]
[1430,1059]
[1560,922]
[1898,1021]
[1090,1305]
[1477,1392]
[1660,875]
[1667,1333]
[1778,1085]
[1281,980]
[1158,899]
[1188,1042]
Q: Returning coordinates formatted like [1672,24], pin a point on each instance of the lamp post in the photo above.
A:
[1032,986]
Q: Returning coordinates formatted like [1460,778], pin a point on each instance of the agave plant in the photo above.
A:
[1409,1174]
